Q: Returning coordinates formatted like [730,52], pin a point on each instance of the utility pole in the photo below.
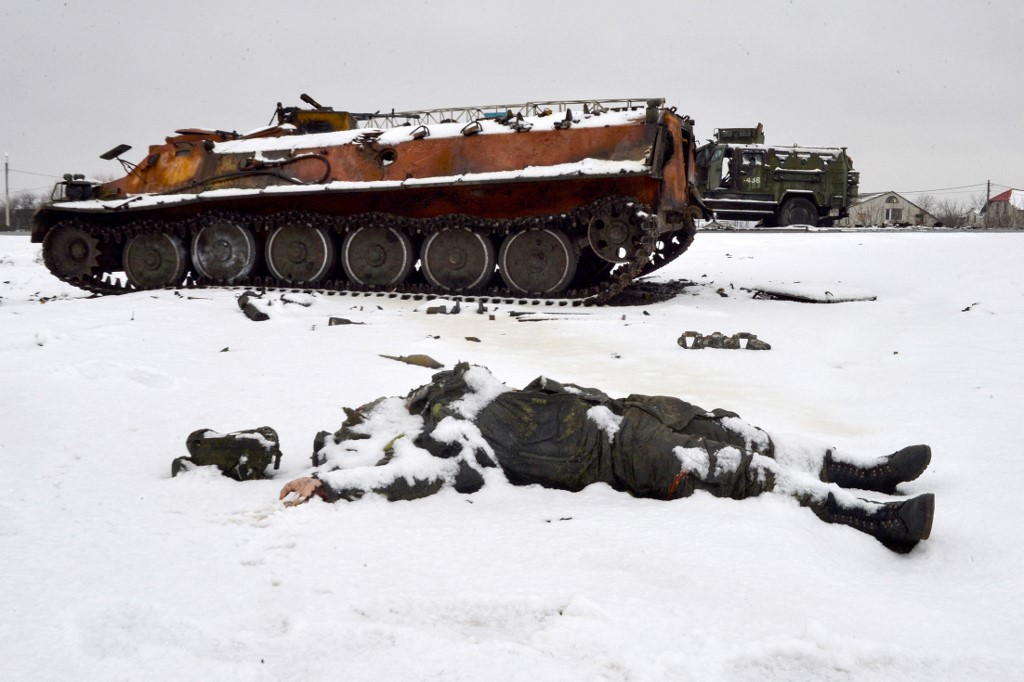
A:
[988,199]
[7,195]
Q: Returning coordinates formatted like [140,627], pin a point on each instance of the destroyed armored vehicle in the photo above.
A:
[569,200]
[741,178]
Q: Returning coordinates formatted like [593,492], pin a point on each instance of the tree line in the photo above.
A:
[23,205]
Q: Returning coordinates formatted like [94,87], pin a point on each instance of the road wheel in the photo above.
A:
[537,261]
[377,256]
[154,261]
[299,253]
[224,250]
[457,259]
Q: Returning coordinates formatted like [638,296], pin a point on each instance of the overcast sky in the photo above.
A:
[926,95]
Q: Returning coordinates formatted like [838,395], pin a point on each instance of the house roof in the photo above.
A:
[1014,197]
[864,198]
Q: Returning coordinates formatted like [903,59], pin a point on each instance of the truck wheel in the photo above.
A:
[798,211]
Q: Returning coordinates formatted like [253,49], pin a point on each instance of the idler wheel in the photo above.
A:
[537,261]
[377,256]
[299,253]
[457,259]
[71,252]
[224,251]
[153,261]
[615,231]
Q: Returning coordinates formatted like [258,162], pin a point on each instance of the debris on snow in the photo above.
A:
[696,341]
[416,359]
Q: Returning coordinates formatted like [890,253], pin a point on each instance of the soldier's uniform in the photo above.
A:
[568,437]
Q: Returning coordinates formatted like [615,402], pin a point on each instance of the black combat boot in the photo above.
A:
[897,525]
[884,475]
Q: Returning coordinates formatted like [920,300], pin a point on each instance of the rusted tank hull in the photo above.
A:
[490,200]
[185,164]
[554,204]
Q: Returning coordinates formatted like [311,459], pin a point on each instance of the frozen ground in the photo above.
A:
[113,570]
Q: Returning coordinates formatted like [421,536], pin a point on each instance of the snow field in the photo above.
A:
[114,570]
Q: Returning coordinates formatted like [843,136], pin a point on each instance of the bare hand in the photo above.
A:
[304,488]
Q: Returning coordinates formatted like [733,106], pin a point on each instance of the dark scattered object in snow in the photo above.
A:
[968,308]
[297,299]
[696,340]
[335,321]
[827,297]
[545,316]
[443,309]
[250,309]
[225,349]
[522,313]
[241,455]
[473,339]
[416,359]
[644,292]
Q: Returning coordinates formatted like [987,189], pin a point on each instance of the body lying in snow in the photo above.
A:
[465,424]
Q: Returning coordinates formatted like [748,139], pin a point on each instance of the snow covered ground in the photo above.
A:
[113,570]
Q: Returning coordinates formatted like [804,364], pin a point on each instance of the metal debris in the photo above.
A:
[825,297]
[250,309]
[741,340]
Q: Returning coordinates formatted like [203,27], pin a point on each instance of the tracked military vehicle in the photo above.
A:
[741,178]
[568,200]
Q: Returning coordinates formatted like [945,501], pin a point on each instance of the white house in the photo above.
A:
[886,209]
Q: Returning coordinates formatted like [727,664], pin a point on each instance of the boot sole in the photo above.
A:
[911,461]
[917,514]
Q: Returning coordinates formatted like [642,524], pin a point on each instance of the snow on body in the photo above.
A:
[384,444]
[390,429]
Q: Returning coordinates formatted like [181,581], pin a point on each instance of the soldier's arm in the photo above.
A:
[334,487]
[301,490]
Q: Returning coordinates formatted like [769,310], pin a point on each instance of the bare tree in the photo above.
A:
[951,213]
[927,202]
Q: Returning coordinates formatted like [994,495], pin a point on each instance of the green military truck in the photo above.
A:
[741,178]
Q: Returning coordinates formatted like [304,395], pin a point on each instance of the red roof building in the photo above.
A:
[1005,209]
